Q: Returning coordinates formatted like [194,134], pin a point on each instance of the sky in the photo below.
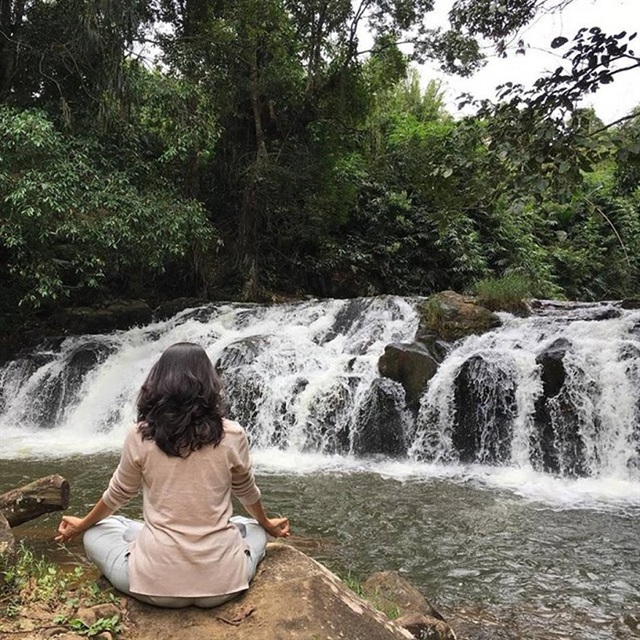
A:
[613,16]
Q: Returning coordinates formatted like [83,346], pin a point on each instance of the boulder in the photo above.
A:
[241,353]
[557,446]
[291,598]
[552,371]
[390,592]
[411,365]
[452,316]
[380,420]
[425,627]
[59,386]
[485,408]
[437,348]
[347,319]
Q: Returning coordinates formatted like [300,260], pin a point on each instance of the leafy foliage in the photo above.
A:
[72,220]
[29,579]
[265,153]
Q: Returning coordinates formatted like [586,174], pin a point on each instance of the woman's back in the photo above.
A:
[187,506]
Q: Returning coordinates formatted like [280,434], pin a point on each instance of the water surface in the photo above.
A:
[523,567]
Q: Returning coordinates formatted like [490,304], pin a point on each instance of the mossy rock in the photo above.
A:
[452,316]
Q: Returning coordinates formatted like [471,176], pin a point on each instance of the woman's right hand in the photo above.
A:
[277,527]
[69,528]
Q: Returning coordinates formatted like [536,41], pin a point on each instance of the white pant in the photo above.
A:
[107,546]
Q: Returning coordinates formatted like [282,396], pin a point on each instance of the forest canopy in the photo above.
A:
[265,153]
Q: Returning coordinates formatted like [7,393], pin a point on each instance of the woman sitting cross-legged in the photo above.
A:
[189,461]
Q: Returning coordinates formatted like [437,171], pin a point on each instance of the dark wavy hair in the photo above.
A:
[179,404]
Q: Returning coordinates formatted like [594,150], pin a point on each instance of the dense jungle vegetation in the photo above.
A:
[265,154]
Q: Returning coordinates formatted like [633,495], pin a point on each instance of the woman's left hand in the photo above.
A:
[277,527]
[69,528]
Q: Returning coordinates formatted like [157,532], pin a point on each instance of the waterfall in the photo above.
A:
[303,379]
[299,376]
[487,402]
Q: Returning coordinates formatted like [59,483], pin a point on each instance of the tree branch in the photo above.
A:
[630,116]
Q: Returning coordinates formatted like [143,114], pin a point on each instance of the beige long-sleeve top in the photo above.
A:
[187,546]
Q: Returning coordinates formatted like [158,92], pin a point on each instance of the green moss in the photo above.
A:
[392,611]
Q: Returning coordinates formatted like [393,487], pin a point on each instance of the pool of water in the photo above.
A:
[511,565]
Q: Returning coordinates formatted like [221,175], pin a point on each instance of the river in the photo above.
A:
[524,553]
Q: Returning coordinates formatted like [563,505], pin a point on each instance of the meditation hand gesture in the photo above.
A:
[69,528]
[277,527]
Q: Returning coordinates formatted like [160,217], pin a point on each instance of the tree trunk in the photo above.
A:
[261,146]
[35,499]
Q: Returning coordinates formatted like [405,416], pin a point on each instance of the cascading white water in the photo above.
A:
[295,374]
[601,391]
[303,379]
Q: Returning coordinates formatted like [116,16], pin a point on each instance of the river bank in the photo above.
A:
[292,596]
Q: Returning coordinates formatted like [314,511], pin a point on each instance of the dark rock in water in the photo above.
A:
[556,444]
[60,389]
[43,352]
[485,407]
[243,395]
[347,318]
[86,357]
[437,348]
[59,384]
[630,303]
[241,353]
[452,316]
[327,428]
[27,361]
[607,313]
[553,373]
[199,314]
[411,365]
[423,627]
[388,591]
[630,355]
[243,387]
[284,417]
[630,351]
[169,308]
[380,425]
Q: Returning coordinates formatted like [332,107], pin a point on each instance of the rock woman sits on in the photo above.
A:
[189,461]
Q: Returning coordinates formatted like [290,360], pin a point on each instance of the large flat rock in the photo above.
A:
[292,596]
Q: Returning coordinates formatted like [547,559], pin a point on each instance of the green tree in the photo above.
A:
[72,221]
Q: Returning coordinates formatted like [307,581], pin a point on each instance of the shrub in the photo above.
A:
[510,293]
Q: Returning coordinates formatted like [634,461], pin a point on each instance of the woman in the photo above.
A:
[188,460]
